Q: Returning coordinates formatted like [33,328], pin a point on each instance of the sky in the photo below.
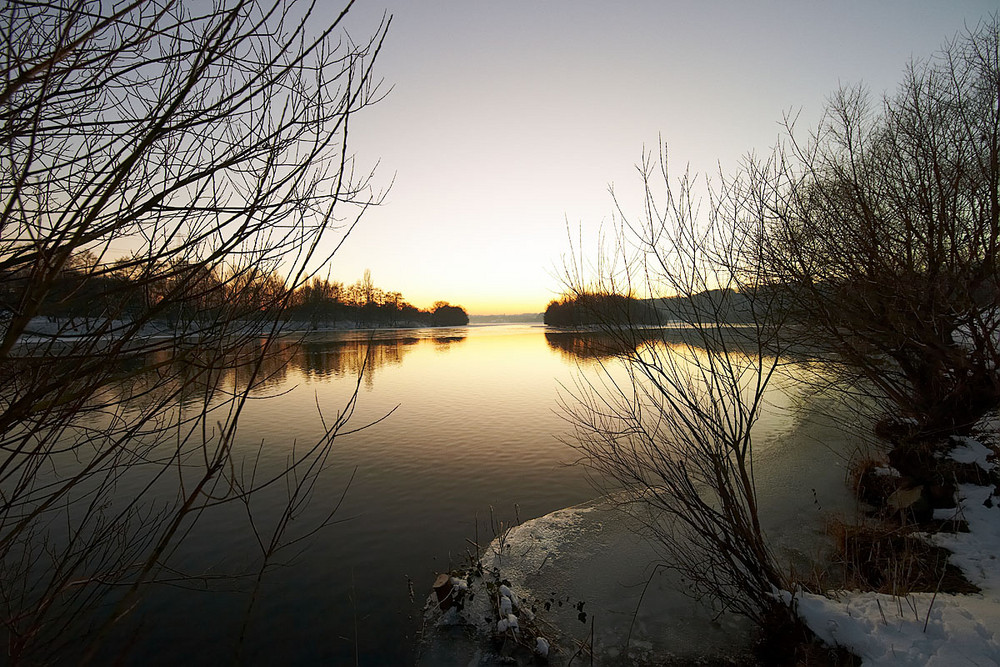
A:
[506,122]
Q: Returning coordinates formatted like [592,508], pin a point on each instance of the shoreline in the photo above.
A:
[589,564]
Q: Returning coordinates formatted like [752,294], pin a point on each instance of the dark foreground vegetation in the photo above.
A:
[166,162]
[874,240]
[162,161]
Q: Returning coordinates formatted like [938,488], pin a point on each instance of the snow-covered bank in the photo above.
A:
[927,628]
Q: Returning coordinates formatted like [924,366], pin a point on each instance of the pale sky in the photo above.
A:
[508,120]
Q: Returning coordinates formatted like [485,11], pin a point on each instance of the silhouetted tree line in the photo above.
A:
[322,302]
[88,289]
[445,315]
[595,308]
[587,309]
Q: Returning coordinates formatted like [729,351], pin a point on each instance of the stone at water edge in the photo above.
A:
[442,588]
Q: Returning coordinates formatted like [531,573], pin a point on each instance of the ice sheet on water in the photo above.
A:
[587,563]
[528,546]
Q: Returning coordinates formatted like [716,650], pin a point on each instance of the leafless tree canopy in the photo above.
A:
[881,231]
[171,173]
[666,414]
[869,250]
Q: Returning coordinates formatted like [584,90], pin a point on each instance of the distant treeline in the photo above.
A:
[596,309]
[589,309]
[89,289]
[323,302]
[506,319]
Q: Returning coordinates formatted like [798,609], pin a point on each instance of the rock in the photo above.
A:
[911,501]
[902,499]
[442,588]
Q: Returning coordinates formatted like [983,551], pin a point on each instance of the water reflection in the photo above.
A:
[445,343]
[260,369]
[320,360]
[593,346]
[348,355]
[586,346]
[476,430]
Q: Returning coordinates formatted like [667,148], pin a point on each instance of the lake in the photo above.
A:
[472,436]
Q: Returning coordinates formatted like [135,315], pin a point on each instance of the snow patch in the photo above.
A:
[976,552]
[918,629]
[926,628]
[971,451]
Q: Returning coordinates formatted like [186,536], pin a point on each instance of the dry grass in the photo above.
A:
[868,484]
[884,548]
[894,560]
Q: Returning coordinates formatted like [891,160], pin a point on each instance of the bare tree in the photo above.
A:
[669,422]
[869,250]
[164,166]
[881,232]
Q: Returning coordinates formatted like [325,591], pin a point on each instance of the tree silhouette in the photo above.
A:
[447,315]
[869,250]
[881,233]
[173,171]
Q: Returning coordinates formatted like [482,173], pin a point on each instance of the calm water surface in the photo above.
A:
[473,426]
[472,433]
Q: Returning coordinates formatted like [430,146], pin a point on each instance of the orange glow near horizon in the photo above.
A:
[478,299]
[505,126]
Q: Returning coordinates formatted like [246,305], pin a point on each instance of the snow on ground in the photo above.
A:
[924,628]
[41,330]
[971,451]
[918,629]
[977,552]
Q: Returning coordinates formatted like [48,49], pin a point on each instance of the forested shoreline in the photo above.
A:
[588,309]
[88,290]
